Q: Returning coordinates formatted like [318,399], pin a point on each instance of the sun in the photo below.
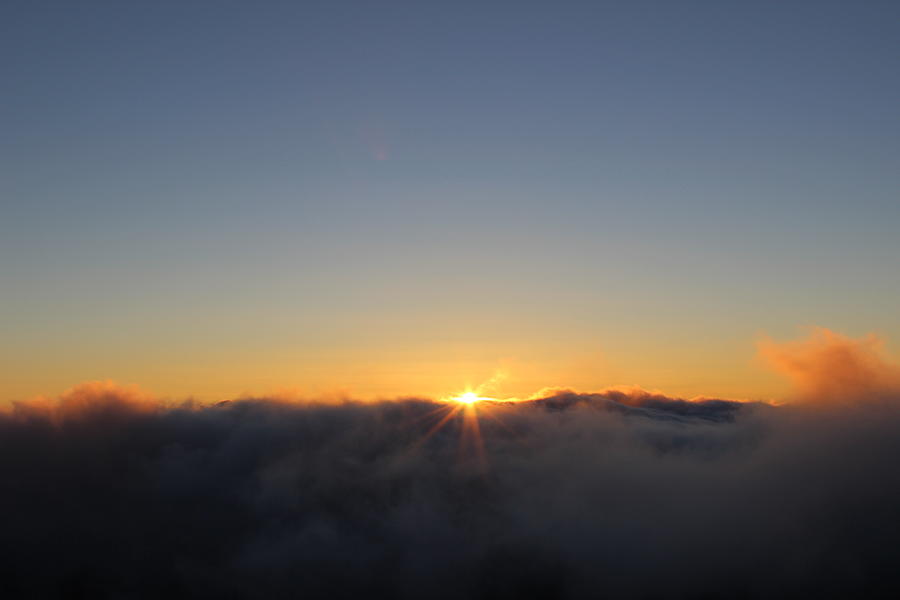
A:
[467,398]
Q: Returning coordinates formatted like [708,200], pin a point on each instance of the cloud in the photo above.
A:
[622,493]
[90,401]
[829,368]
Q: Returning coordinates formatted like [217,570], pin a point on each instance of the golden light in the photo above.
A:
[467,398]
[461,409]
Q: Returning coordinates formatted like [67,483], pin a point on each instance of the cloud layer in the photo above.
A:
[627,494]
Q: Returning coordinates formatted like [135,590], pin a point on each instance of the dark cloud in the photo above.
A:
[108,494]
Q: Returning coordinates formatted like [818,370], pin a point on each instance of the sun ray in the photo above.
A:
[430,414]
[471,440]
[439,425]
[466,404]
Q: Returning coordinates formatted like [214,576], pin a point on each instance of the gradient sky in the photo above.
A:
[381,198]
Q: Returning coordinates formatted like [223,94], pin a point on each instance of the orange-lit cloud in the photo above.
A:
[830,368]
[89,400]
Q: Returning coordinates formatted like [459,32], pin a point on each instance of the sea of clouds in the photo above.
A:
[108,493]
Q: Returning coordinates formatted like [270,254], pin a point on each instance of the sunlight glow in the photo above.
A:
[460,413]
[468,398]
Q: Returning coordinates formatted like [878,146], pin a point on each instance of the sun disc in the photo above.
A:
[468,398]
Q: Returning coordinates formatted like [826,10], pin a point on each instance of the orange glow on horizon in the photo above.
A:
[472,395]
[468,398]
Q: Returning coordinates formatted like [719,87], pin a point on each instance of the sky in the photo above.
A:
[383,198]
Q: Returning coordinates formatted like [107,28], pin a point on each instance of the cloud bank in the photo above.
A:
[107,493]
[630,495]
